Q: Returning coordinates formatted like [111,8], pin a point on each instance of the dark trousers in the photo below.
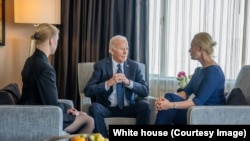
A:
[172,116]
[139,110]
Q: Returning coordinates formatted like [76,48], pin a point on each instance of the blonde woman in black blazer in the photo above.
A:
[39,81]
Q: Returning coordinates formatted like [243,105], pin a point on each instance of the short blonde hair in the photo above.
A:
[205,41]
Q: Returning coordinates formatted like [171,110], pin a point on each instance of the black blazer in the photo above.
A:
[39,85]
[103,71]
[39,81]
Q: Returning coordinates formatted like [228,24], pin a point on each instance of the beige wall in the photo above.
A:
[16,49]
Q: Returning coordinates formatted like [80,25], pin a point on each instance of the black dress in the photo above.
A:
[67,118]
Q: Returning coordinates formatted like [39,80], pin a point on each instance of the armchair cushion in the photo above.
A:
[236,97]
[10,94]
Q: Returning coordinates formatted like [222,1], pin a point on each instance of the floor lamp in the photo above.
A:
[36,12]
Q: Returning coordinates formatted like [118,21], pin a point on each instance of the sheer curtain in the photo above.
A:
[173,23]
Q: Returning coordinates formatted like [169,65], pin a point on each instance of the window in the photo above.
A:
[173,23]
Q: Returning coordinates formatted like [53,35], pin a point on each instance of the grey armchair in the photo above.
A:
[226,114]
[31,122]
[84,73]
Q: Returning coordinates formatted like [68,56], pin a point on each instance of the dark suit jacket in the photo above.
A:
[39,81]
[103,71]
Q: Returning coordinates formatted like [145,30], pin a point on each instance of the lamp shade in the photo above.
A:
[37,11]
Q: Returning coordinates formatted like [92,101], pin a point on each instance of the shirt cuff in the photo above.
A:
[106,86]
[130,86]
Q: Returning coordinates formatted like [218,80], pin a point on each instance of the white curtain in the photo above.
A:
[173,23]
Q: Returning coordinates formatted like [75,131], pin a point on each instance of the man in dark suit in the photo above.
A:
[104,82]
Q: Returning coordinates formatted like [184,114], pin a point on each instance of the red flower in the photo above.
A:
[183,79]
[181,74]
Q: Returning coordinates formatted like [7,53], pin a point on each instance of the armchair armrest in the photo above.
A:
[30,122]
[85,103]
[151,101]
[220,115]
[67,101]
